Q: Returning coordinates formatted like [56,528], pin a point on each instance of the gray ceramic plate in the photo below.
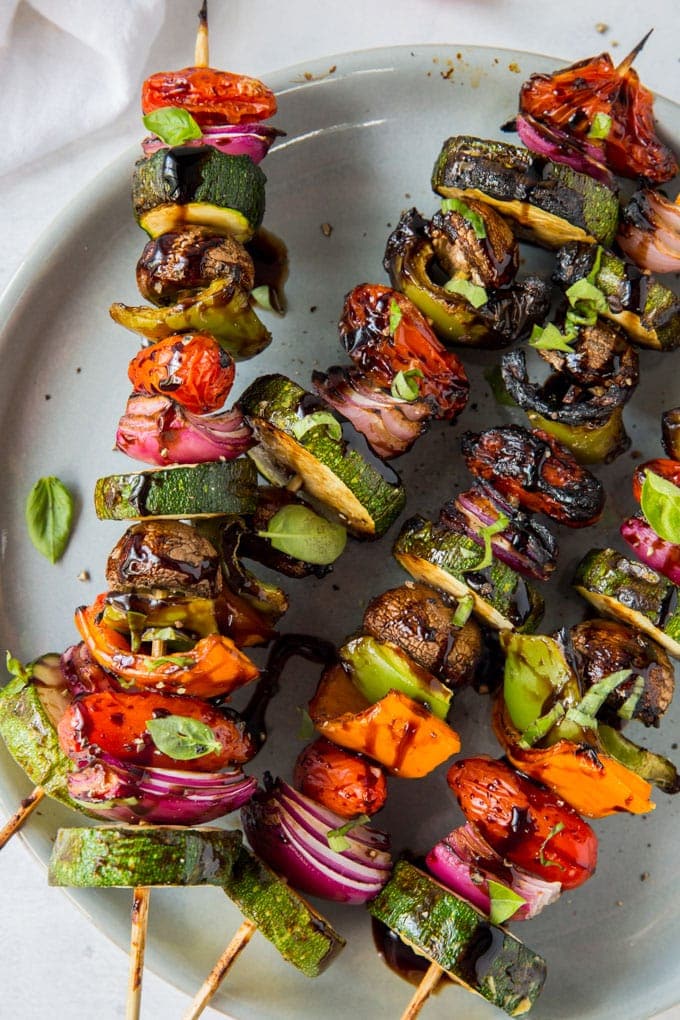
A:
[363,131]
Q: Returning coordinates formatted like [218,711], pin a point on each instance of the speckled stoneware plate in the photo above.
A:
[363,131]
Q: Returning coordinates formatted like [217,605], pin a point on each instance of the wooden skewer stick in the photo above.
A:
[140,919]
[201,52]
[430,980]
[205,993]
[27,806]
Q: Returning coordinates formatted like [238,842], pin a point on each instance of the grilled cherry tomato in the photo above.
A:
[115,723]
[343,782]
[212,667]
[210,96]
[191,368]
[524,823]
[662,466]
[384,333]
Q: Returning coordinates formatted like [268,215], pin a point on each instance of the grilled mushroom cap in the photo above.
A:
[183,261]
[419,620]
[490,260]
[603,647]
[164,554]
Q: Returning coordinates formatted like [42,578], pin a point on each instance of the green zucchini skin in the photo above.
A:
[547,202]
[452,933]
[212,489]
[129,856]
[443,558]
[214,178]
[363,492]
[32,740]
[303,937]
[632,592]
[648,311]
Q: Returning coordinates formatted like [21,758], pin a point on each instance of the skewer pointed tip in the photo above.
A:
[627,61]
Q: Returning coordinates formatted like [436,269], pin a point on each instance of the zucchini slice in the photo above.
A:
[213,489]
[363,493]
[450,932]
[29,732]
[128,856]
[632,592]
[548,203]
[446,560]
[198,185]
[302,936]
[648,311]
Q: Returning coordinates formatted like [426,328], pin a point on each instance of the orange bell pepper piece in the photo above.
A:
[212,667]
[398,732]
[582,775]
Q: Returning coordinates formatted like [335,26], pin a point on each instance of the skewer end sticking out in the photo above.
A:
[140,919]
[27,806]
[212,982]
[430,980]
[201,53]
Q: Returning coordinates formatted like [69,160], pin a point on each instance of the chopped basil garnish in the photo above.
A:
[463,611]
[627,709]
[504,902]
[181,661]
[182,737]
[601,126]
[486,533]
[49,515]
[169,635]
[660,503]
[172,124]
[395,316]
[17,669]
[404,385]
[592,701]
[297,531]
[337,838]
[262,297]
[494,377]
[539,727]
[473,218]
[318,419]
[549,338]
[472,293]
[546,863]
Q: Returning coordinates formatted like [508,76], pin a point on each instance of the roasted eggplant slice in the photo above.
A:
[420,620]
[633,593]
[508,313]
[534,471]
[548,203]
[603,647]
[648,311]
[450,561]
[670,432]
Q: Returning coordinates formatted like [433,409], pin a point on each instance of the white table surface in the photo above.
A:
[52,962]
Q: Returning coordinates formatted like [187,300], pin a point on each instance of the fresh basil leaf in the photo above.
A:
[660,504]
[550,339]
[404,385]
[337,838]
[172,124]
[601,126]
[473,218]
[463,610]
[486,533]
[585,291]
[49,516]
[297,531]
[318,419]
[395,316]
[627,709]
[181,737]
[546,863]
[504,902]
[475,295]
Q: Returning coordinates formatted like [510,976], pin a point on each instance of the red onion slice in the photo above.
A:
[253,140]
[560,147]
[656,552]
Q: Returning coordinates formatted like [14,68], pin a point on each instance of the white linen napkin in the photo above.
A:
[68,67]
